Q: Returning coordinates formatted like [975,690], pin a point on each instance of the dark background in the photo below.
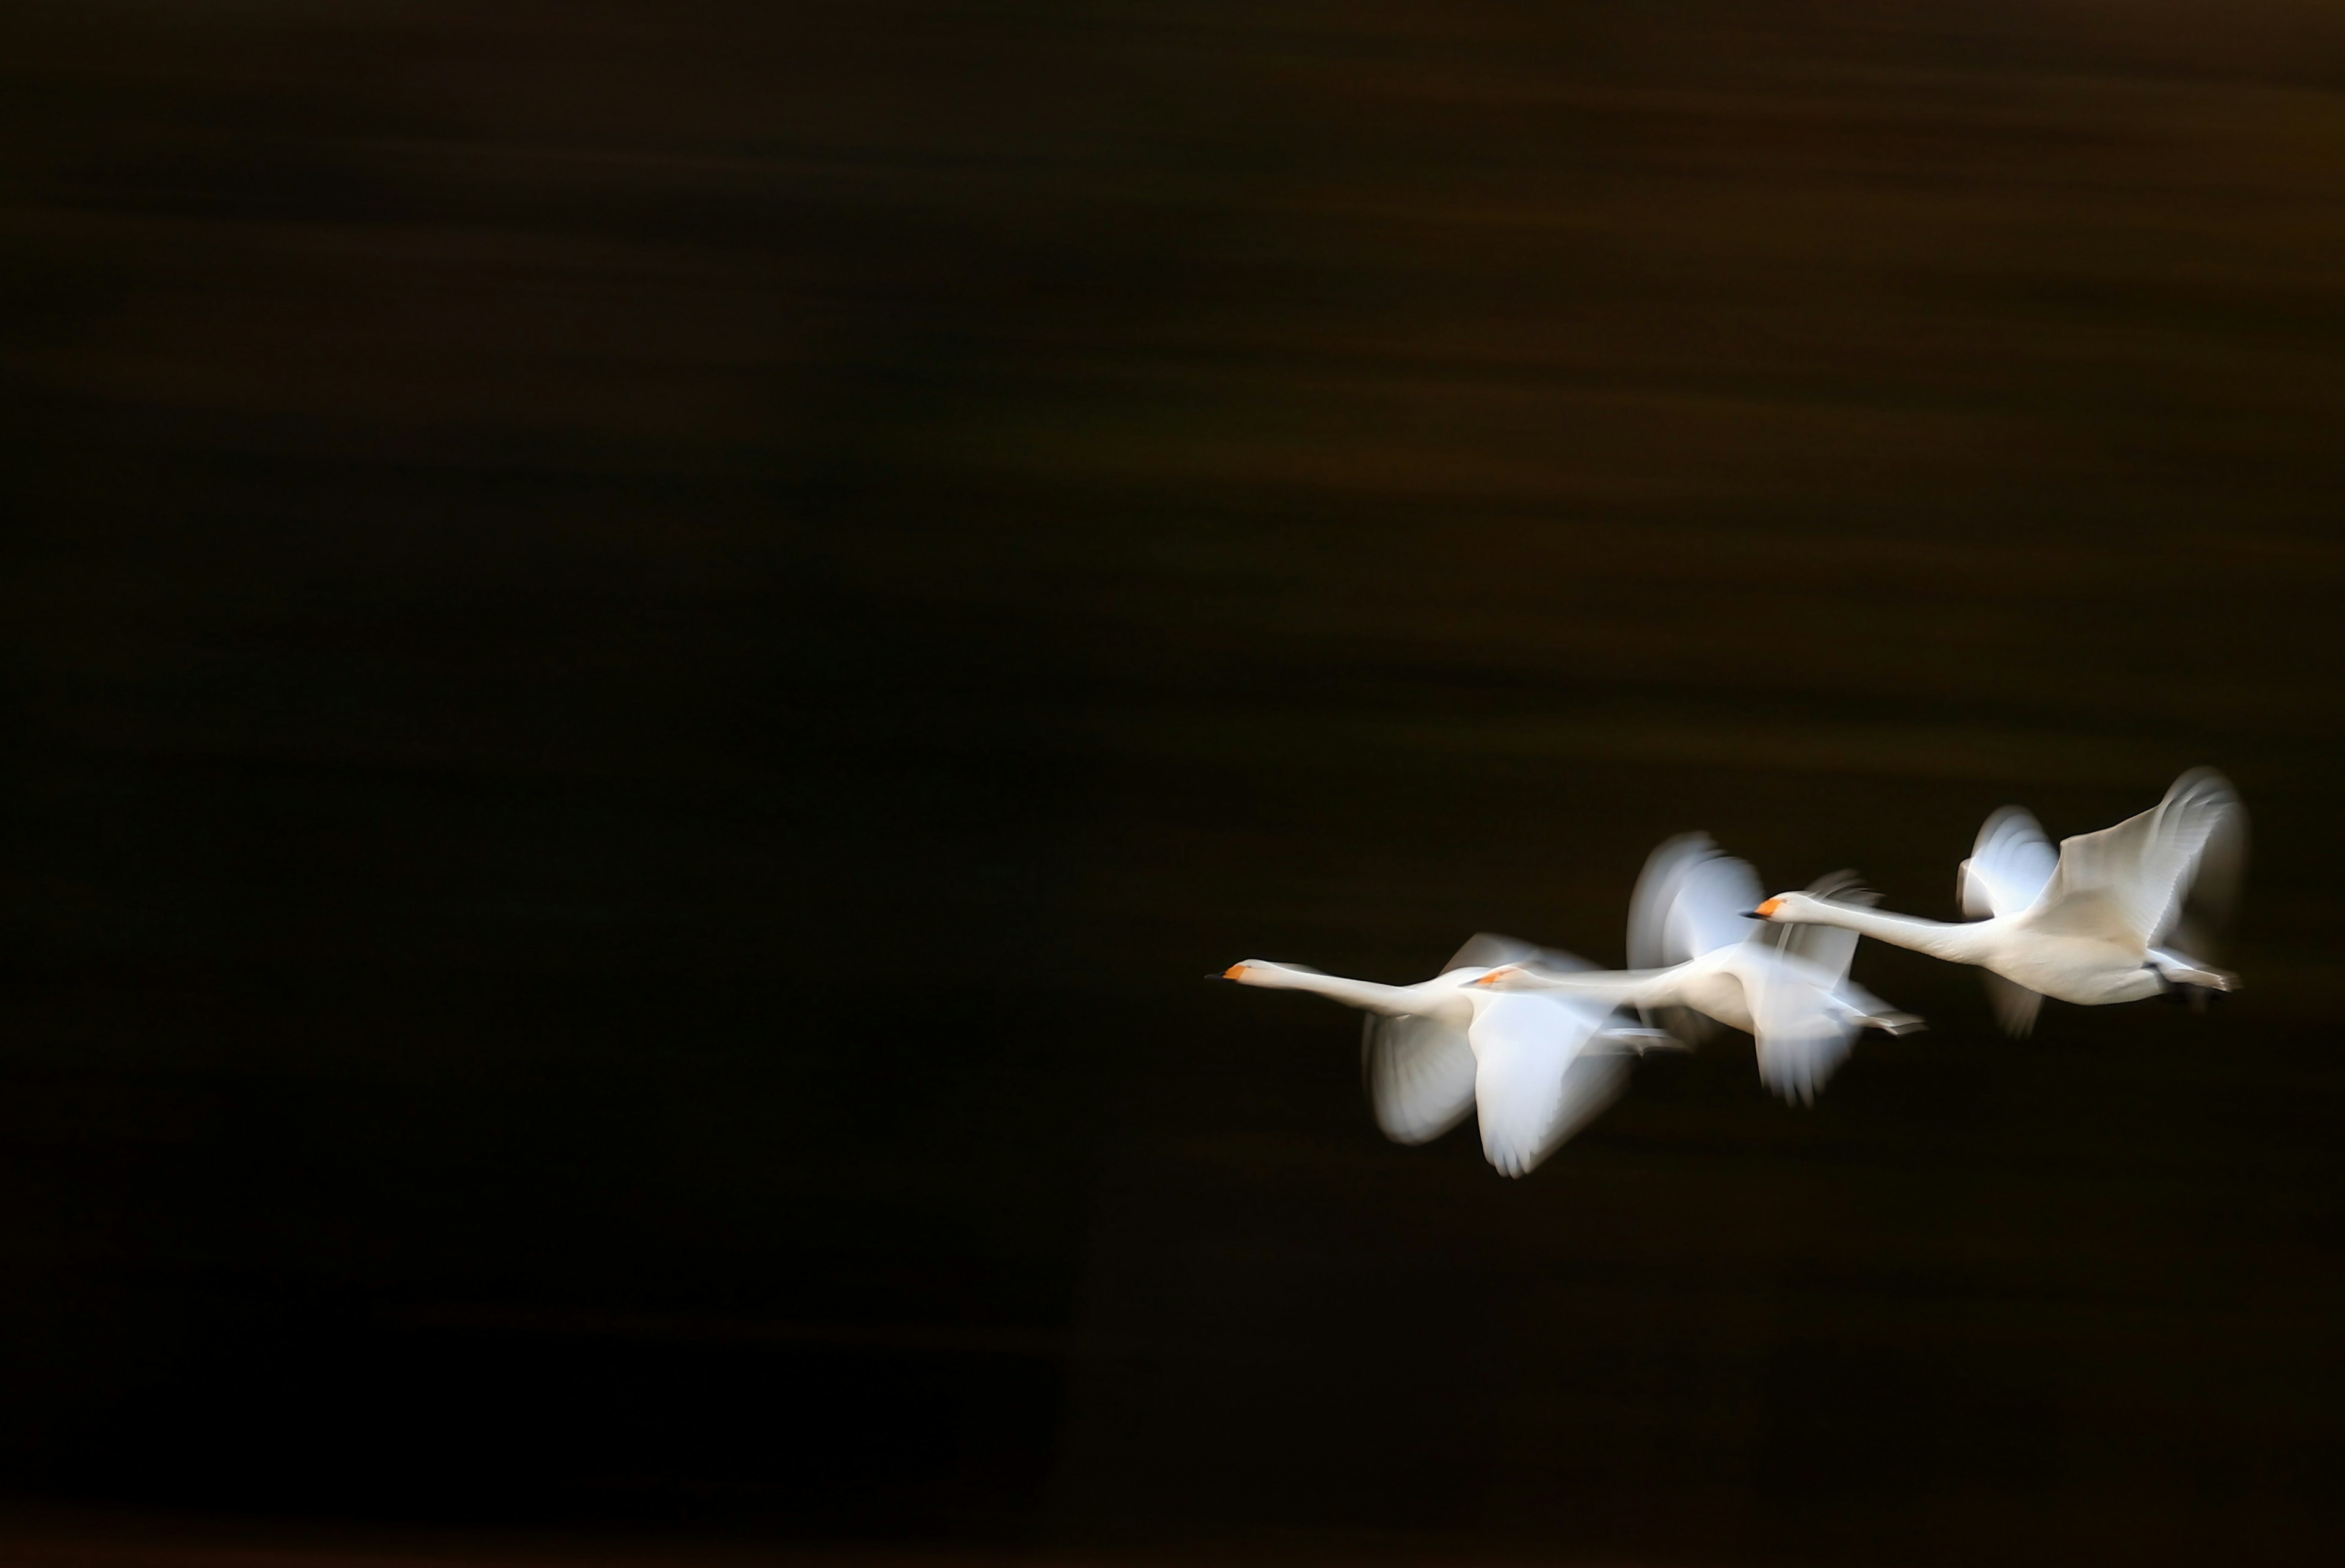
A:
[647,644]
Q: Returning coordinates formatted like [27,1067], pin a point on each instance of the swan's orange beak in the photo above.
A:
[1767,911]
[1493,973]
[1234,972]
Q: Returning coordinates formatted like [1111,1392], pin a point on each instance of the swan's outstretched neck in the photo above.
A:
[1365,994]
[1958,943]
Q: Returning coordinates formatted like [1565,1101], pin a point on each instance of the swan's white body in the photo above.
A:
[1535,1069]
[2088,925]
[1697,953]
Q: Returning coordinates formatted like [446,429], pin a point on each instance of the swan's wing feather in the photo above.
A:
[1713,907]
[2131,877]
[2200,813]
[2009,865]
[1534,1087]
[1801,1038]
[1488,950]
[1796,1063]
[1590,1084]
[1830,948]
[2210,900]
[2013,1004]
[1648,905]
[1691,899]
[1419,1075]
[2095,885]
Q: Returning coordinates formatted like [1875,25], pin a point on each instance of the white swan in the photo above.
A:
[1696,956]
[1535,1069]
[2090,925]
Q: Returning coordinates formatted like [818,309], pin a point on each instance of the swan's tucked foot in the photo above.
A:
[2186,981]
[2195,998]
[1895,1024]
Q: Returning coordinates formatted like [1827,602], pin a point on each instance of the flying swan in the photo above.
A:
[1534,1068]
[1695,956]
[2090,925]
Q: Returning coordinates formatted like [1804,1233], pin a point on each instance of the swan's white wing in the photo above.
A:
[2201,843]
[1801,1040]
[1489,950]
[1419,1075]
[1648,905]
[2212,897]
[1830,948]
[1796,1062]
[1590,1084]
[1691,899]
[1533,1087]
[2129,879]
[1802,1037]
[2009,865]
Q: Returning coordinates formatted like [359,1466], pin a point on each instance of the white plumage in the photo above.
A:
[1534,1069]
[2102,920]
[1701,960]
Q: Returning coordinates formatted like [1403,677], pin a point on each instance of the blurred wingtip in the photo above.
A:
[1843,887]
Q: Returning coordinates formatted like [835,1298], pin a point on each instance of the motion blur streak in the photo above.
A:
[646,646]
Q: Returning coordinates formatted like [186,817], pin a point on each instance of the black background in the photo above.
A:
[647,645]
